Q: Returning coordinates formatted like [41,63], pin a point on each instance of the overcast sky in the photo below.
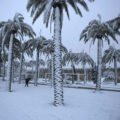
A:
[71,29]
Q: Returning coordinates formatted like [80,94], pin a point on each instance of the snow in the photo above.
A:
[35,103]
[108,85]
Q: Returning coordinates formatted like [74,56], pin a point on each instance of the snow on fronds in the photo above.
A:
[84,58]
[47,12]
[46,6]
[110,54]
[96,29]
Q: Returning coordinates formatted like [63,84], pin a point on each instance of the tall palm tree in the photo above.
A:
[24,48]
[13,28]
[38,45]
[16,52]
[15,67]
[41,63]
[96,30]
[84,59]
[54,9]
[71,58]
[112,55]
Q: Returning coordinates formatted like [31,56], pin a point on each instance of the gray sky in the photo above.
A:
[71,29]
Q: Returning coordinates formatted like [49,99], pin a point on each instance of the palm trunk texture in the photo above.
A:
[85,75]
[52,70]
[99,63]
[58,82]
[73,73]
[115,68]
[9,72]
[21,64]
[37,67]
[3,65]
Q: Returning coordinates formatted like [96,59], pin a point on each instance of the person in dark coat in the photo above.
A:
[27,81]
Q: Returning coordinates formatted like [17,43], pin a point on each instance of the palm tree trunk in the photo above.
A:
[52,70]
[3,70]
[99,65]
[53,62]
[58,82]
[73,73]
[9,72]
[3,65]
[2,48]
[115,69]
[13,70]
[37,67]
[21,64]
[85,75]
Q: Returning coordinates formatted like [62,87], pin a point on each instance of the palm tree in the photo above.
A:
[84,59]
[15,67]
[54,9]
[38,45]
[112,55]
[72,58]
[115,24]
[41,63]
[13,28]
[24,48]
[16,52]
[96,30]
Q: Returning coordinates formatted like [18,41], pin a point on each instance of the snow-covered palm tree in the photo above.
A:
[38,45]
[71,58]
[23,48]
[18,53]
[49,65]
[96,30]
[84,59]
[14,28]
[15,54]
[112,55]
[41,63]
[53,9]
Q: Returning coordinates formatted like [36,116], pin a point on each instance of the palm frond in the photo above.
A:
[97,30]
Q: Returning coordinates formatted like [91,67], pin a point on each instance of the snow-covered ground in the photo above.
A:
[104,85]
[35,103]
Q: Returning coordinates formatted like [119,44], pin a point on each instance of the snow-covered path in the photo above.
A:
[35,103]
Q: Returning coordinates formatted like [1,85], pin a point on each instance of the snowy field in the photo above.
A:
[104,85]
[35,103]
